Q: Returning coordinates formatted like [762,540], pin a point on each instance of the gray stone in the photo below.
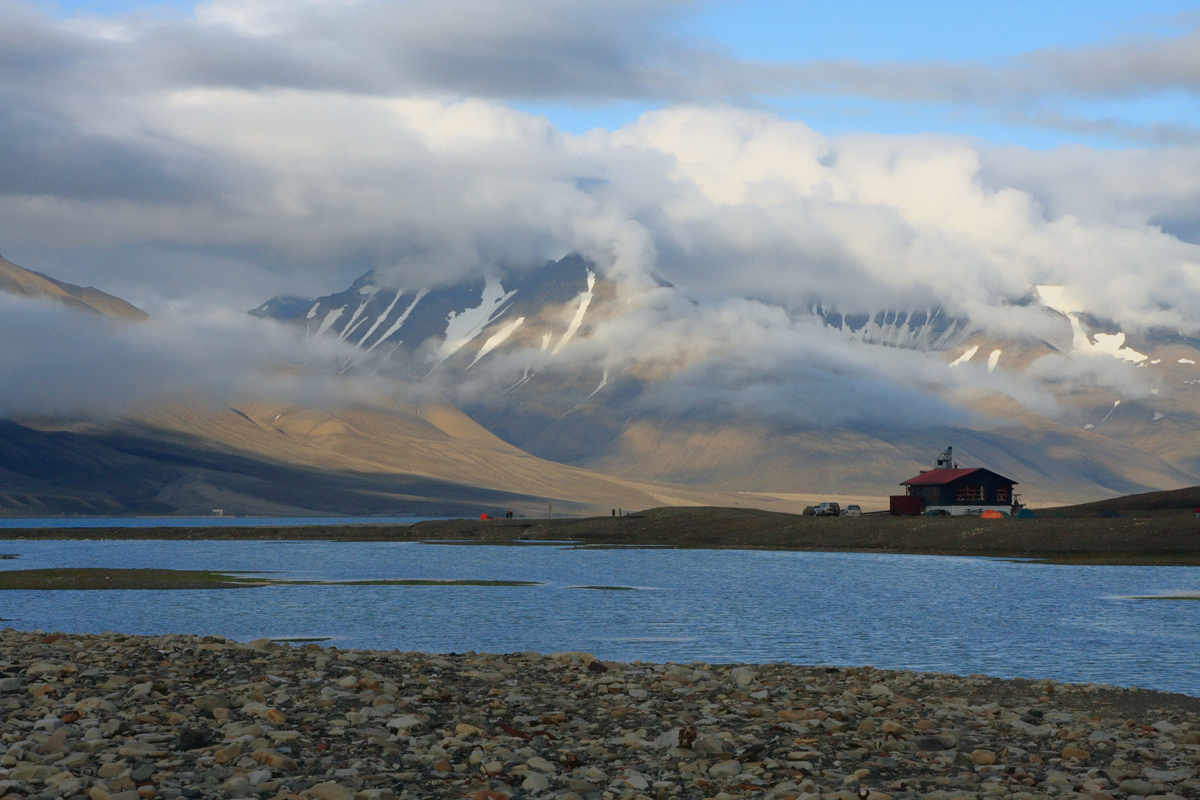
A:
[932,744]
[1138,787]
[535,782]
[209,702]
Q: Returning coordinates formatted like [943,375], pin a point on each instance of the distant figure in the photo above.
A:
[1197,512]
[508,514]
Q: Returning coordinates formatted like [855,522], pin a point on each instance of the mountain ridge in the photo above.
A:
[27,283]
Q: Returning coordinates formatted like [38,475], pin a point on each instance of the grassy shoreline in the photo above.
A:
[1159,540]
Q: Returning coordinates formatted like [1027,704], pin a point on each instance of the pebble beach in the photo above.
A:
[116,717]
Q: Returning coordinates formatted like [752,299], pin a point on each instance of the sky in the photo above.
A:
[201,158]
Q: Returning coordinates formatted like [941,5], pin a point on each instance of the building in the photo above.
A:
[955,490]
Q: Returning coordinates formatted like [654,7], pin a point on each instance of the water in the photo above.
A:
[197,522]
[960,615]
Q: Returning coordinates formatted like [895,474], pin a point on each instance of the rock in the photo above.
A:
[11,684]
[227,753]
[635,780]
[381,726]
[463,730]
[142,772]
[404,723]
[541,765]
[983,757]
[1167,775]
[933,744]
[1137,787]
[330,791]
[742,676]
[37,772]
[535,782]
[191,739]
[57,742]
[275,760]
[210,702]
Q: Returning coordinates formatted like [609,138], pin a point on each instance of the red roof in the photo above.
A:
[939,476]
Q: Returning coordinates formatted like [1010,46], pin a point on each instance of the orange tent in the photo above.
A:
[990,514]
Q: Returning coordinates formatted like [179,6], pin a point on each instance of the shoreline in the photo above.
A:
[1153,540]
[117,717]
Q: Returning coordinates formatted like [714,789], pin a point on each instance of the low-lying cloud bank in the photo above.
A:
[221,158]
[62,363]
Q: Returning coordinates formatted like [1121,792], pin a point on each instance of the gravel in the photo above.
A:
[116,717]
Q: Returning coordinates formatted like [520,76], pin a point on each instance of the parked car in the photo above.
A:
[827,510]
[852,511]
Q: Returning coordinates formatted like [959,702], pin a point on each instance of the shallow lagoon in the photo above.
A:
[961,615]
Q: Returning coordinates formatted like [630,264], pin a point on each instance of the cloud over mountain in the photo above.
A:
[265,147]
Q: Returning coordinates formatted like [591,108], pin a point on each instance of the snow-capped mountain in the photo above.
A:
[1029,403]
[441,322]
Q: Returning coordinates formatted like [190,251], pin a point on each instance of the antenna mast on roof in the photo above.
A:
[946,459]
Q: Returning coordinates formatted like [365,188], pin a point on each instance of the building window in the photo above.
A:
[1002,495]
[970,494]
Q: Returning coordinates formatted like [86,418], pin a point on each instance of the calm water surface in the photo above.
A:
[961,615]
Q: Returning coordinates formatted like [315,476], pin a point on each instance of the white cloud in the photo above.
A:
[61,362]
[282,147]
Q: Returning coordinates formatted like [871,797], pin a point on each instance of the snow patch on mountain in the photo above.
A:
[1109,344]
[399,321]
[907,330]
[367,292]
[330,318]
[496,339]
[585,300]
[965,357]
[993,360]
[381,318]
[462,327]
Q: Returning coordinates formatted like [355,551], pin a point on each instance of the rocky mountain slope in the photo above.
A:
[20,281]
[271,459]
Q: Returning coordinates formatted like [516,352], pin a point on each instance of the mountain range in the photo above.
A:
[509,406]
